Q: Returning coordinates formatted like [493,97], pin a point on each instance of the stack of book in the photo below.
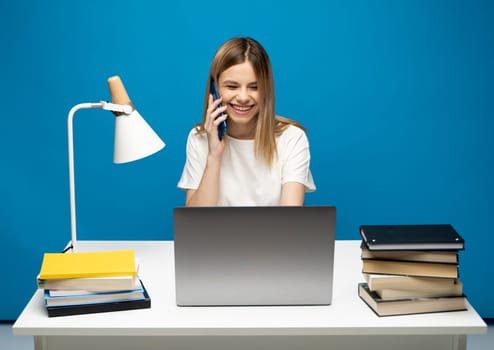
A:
[91,282]
[411,269]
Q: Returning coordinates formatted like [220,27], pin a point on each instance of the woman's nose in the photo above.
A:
[243,95]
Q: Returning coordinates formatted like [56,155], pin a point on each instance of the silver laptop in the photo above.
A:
[254,255]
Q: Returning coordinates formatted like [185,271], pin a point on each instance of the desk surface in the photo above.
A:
[347,315]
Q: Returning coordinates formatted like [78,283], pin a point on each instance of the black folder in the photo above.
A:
[411,237]
[89,308]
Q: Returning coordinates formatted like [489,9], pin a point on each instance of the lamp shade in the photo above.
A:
[134,138]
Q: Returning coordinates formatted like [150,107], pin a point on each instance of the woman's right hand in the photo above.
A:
[213,119]
[208,191]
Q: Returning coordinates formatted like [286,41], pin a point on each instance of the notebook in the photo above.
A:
[241,256]
[411,237]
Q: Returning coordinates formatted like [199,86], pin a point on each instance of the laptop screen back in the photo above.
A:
[254,255]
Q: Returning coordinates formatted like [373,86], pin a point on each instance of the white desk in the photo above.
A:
[346,324]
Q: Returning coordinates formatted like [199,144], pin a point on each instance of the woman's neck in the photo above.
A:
[241,132]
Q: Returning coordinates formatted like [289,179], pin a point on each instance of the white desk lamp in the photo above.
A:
[134,138]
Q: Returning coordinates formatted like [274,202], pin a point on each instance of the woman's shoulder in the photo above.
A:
[288,128]
[284,123]
[196,131]
[197,136]
[295,130]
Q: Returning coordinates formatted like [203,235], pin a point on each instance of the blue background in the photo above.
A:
[397,97]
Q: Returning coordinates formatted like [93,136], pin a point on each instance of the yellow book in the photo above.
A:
[88,264]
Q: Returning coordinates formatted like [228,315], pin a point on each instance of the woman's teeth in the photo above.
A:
[241,108]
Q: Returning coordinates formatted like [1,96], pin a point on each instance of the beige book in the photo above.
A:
[397,282]
[409,306]
[394,294]
[450,257]
[410,268]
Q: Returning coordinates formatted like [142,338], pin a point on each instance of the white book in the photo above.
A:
[93,297]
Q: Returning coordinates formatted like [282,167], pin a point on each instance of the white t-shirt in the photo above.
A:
[245,180]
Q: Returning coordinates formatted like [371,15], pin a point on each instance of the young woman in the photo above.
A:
[263,160]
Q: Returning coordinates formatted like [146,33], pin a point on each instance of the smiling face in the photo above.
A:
[238,87]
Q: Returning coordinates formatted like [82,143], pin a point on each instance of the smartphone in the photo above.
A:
[222,125]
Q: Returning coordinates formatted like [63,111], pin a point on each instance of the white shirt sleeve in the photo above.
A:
[295,156]
[196,157]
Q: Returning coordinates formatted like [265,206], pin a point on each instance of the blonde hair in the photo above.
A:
[239,50]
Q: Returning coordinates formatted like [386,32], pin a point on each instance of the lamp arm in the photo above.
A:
[126,109]
[70,124]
